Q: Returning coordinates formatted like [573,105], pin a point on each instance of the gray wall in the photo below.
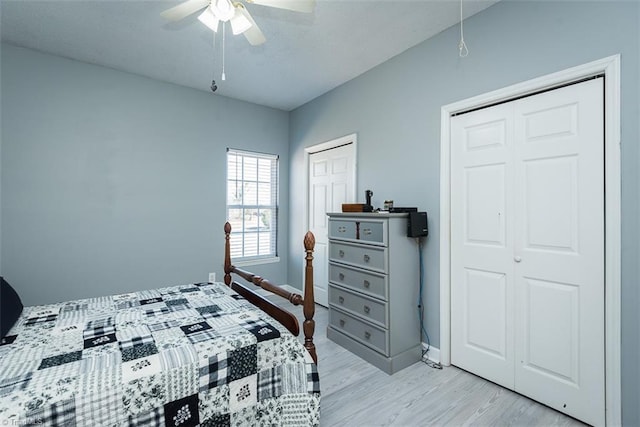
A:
[112,182]
[395,110]
[0,176]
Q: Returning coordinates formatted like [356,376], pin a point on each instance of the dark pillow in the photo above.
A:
[10,305]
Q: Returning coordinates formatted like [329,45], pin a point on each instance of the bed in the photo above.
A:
[207,354]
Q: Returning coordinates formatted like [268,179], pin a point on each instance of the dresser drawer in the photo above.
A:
[367,231]
[360,281]
[370,257]
[370,335]
[368,308]
[342,229]
[372,231]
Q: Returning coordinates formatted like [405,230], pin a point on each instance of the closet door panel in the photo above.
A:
[559,230]
[482,236]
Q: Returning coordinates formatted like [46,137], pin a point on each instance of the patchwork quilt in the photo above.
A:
[190,355]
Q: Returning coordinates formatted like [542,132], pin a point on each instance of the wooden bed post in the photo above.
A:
[309,305]
[287,319]
[227,254]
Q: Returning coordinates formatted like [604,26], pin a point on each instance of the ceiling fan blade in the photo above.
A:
[183,10]
[253,33]
[305,6]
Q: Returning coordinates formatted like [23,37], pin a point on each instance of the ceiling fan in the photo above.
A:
[234,12]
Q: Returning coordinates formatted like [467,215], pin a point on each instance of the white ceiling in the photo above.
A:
[305,55]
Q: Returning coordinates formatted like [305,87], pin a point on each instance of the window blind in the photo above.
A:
[252,204]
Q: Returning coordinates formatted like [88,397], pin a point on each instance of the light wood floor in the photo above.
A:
[355,393]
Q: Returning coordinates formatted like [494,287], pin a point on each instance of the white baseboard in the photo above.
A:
[434,353]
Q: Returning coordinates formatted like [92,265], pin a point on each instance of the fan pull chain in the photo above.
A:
[462,46]
[224,77]
[213,86]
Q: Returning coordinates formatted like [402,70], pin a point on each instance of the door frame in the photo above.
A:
[323,146]
[610,67]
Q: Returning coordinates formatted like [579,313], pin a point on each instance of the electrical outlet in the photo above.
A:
[212,277]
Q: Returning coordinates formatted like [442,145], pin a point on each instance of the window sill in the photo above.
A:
[258,261]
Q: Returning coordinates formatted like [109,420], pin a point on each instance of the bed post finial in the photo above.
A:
[309,306]
[227,254]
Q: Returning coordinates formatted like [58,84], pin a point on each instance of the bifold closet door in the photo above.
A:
[528,246]
[482,246]
[559,279]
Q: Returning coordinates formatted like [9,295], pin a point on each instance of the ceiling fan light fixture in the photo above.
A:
[222,9]
[240,22]
[208,19]
[234,11]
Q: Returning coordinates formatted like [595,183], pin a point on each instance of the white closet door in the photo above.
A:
[330,185]
[482,243]
[527,247]
[560,244]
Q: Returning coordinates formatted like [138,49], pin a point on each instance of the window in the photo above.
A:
[252,204]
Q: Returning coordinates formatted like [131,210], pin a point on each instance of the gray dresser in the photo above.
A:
[373,288]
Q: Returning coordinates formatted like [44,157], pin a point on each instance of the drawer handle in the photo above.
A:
[342,229]
[367,335]
[366,231]
[341,300]
[341,254]
[341,276]
[367,309]
[367,258]
[366,284]
[342,322]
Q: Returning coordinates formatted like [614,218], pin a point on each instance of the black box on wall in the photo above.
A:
[417,224]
